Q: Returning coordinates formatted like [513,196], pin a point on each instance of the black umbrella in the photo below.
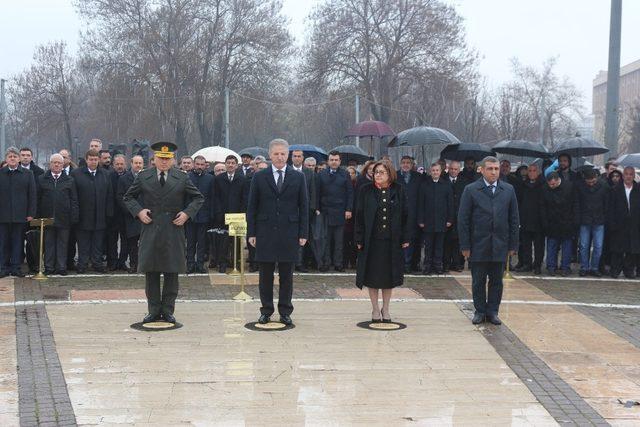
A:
[580,147]
[465,150]
[423,135]
[522,148]
[632,160]
[309,151]
[255,151]
[351,152]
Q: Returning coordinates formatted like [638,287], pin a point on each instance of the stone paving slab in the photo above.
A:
[326,371]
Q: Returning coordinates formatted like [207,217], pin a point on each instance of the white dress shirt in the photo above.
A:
[275,170]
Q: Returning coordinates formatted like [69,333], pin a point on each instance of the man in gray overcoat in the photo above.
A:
[488,226]
[157,197]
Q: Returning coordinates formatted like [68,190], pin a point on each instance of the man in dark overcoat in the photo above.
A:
[453,259]
[335,203]
[488,224]
[57,199]
[196,228]
[95,198]
[435,216]
[624,225]
[411,181]
[132,224]
[277,225]
[161,209]
[18,207]
[297,162]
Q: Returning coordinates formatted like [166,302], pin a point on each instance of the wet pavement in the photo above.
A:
[567,353]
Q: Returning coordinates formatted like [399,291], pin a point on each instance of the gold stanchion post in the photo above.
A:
[235,271]
[42,223]
[242,296]
[507,272]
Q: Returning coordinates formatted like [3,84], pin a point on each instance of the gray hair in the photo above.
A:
[631,168]
[56,156]
[278,142]
[488,159]
[12,150]
[120,155]
[259,159]
[310,161]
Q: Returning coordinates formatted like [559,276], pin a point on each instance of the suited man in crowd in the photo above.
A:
[277,225]
[624,225]
[335,203]
[245,168]
[186,164]
[131,223]
[558,223]
[95,198]
[66,165]
[57,199]
[411,181]
[297,163]
[157,198]
[26,161]
[469,172]
[217,229]
[453,259]
[488,224]
[116,229]
[230,197]
[18,207]
[196,227]
[435,216]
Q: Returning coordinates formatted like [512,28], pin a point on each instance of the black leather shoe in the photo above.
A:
[99,270]
[201,270]
[17,274]
[286,319]
[302,269]
[169,318]
[522,269]
[323,269]
[477,319]
[493,318]
[340,269]
[151,318]
[264,319]
[81,270]
[537,270]
[222,269]
[62,272]
[582,273]
[191,269]
[595,273]
[49,272]
[253,268]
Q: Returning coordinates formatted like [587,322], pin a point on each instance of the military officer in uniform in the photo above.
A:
[157,197]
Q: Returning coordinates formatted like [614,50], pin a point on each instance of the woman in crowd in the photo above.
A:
[381,234]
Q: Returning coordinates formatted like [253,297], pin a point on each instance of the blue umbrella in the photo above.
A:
[309,151]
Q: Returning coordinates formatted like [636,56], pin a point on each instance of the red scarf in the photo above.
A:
[380,187]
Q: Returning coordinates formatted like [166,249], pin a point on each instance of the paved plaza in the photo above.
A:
[568,353]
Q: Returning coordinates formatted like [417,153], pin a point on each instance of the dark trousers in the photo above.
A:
[161,302]
[623,262]
[114,233]
[132,247]
[529,239]
[215,248]
[433,248]
[196,234]
[413,253]
[55,248]
[452,256]
[335,241]
[71,249]
[12,245]
[90,248]
[285,273]
[480,272]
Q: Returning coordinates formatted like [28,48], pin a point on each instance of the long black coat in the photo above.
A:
[205,184]
[18,190]
[118,213]
[278,219]
[95,198]
[529,205]
[435,205]
[230,196]
[335,195]
[556,211]
[458,188]
[488,225]
[132,224]
[162,243]
[310,179]
[58,200]
[367,206]
[624,220]
[37,170]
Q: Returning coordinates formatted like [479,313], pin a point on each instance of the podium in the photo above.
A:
[41,223]
[237,223]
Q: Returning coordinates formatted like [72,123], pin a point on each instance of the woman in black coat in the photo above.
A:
[381,234]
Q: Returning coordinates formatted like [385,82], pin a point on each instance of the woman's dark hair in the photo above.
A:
[393,176]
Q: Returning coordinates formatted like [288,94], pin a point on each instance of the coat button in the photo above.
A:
[384,200]
[384,217]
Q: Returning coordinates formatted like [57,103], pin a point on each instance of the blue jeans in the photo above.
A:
[589,234]
[553,246]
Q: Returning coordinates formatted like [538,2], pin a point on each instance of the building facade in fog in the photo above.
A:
[629,103]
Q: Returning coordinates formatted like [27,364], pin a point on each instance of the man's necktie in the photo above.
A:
[492,187]
[406,177]
[279,182]
[162,180]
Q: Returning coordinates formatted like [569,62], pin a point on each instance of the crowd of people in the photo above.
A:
[565,216]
